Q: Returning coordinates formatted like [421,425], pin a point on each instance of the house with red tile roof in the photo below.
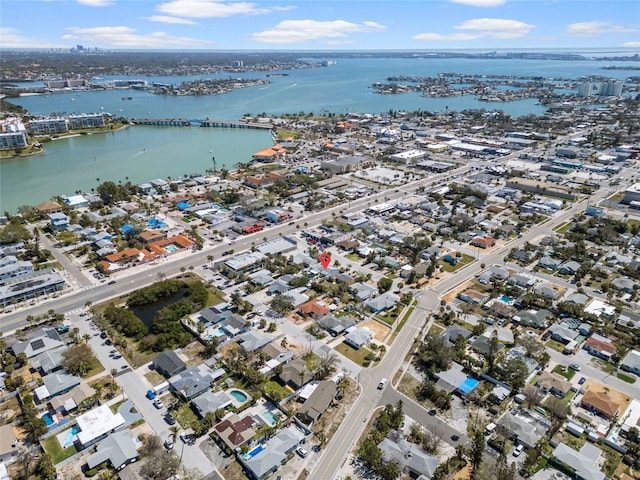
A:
[270,154]
[314,309]
[600,348]
[483,242]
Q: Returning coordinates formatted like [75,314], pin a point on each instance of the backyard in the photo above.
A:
[352,354]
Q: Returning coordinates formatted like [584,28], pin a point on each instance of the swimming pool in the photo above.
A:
[253,452]
[238,395]
[171,248]
[71,436]
[216,333]
[505,299]
[269,417]
[48,419]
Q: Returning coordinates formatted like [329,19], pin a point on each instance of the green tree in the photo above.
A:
[283,304]
[477,449]
[14,232]
[78,359]
[384,284]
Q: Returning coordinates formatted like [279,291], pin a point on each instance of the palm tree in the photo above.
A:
[174,432]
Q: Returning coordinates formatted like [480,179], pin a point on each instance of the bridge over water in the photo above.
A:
[184,122]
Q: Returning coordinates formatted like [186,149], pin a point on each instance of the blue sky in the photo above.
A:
[320,24]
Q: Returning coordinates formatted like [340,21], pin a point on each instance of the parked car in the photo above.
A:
[455,438]
[574,366]
[158,403]
[302,452]
[582,380]
[170,419]
[168,444]
[112,282]
[518,450]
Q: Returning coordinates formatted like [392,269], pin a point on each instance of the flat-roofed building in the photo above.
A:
[86,120]
[48,126]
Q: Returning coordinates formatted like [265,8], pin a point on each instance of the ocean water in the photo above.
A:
[146,153]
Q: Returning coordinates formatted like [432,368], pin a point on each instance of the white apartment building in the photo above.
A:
[86,120]
[47,126]
[13,134]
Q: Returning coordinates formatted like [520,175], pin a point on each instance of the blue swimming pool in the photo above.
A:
[171,248]
[71,436]
[269,417]
[47,419]
[238,395]
[255,451]
[505,299]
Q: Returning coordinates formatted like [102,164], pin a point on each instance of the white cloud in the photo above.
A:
[168,19]
[500,28]
[631,44]
[593,29]
[11,38]
[97,3]
[481,3]
[126,37]
[294,31]
[214,9]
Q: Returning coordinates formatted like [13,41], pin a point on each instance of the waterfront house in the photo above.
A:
[58,221]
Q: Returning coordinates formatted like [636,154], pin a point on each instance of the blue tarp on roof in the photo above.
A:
[127,228]
[182,205]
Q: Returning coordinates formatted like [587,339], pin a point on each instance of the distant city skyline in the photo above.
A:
[320,25]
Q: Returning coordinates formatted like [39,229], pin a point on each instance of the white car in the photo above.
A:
[518,450]
[302,452]
[382,384]
[158,403]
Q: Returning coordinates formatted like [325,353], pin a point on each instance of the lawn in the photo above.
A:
[154,377]
[568,397]
[626,378]
[466,260]
[354,257]
[564,371]
[353,354]
[557,346]
[405,317]
[311,360]
[53,448]
[435,329]
[272,386]
[96,367]
[563,228]
[185,415]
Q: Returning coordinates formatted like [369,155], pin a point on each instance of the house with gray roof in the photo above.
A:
[11,267]
[546,291]
[584,462]
[411,458]
[119,449]
[623,283]
[194,381]
[454,331]
[49,361]
[212,316]
[42,340]
[562,334]
[493,272]
[261,278]
[569,267]
[56,384]
[631,362]
[533,318]
[336,325]
[210,402]
[577,298]
[525,430]
[383,302]
[358,337]
[521,280]
[363,291]
[321,399]
[169,364]
[549,263]
[296,373]
[251,341]
[273,453]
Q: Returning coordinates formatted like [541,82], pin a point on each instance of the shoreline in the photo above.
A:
[43,150]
